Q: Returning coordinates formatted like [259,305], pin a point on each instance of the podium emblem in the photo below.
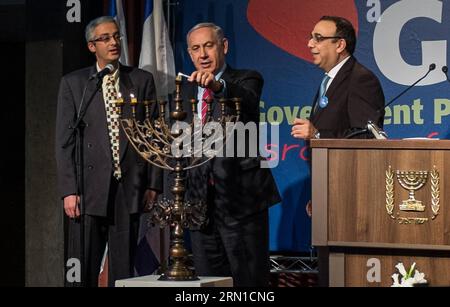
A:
[412,181]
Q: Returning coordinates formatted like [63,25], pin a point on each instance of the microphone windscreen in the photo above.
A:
[445,69]
[110,67]
[432,66]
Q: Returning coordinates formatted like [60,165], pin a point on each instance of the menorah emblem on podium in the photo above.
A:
[412,181]
[160,144]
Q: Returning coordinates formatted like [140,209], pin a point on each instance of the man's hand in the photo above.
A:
[71,206]
[205,79]
[150,197]
[303,129]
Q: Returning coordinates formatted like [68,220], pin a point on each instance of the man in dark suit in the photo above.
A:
[238,191]
[117,182]
[350,95]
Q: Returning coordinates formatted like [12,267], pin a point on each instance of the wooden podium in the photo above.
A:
[364,221]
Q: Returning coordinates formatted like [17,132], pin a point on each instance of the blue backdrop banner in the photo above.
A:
[397,40]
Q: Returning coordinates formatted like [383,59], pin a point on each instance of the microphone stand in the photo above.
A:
[430,69]
[78,133]
[356,133]
[372,127]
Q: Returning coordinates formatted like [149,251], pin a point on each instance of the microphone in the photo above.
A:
[377,132]
[105,71]
[371,128]
[445,71]
[430,69]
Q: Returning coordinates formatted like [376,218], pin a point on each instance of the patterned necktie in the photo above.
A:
[112,119]
[207,94]
[323,100]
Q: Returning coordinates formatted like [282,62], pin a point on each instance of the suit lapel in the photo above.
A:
[315,106]
[340,77]
[95,111]
[333,90]
[126,88]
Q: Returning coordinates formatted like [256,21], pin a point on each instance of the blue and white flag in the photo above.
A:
[152,249]
[156,50]
[116,11]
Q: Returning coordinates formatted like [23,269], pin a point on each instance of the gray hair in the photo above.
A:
[217,30]
[90,28]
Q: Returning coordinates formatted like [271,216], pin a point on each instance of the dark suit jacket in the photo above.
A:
[240,185]
[354,97]
[137,175]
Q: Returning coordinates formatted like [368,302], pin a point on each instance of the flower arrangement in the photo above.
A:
[408,280]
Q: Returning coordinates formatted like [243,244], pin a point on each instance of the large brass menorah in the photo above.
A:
[163,144]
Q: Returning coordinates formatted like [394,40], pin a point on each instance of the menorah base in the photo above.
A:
[178,275]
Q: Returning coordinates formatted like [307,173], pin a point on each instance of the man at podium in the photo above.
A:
[349,95]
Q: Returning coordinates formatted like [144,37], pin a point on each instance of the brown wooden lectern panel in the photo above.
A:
[382,199]
[434,267]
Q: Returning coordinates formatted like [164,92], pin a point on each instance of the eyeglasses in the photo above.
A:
[106,38]
[317,38]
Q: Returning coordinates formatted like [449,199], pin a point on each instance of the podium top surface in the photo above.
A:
[382,144]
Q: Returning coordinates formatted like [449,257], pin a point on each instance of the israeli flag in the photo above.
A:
[156,51]
[116,11]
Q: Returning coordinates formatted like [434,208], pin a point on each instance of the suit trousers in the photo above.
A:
[234,247]
[118,229]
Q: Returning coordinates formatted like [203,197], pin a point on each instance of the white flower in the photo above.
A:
[401,268]
[395,278]
[407,280]
[407,283]
[419,278]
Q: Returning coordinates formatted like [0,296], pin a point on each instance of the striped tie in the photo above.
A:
[207,94]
